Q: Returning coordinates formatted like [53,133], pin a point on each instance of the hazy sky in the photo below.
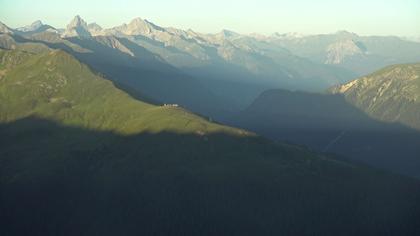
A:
[366,17]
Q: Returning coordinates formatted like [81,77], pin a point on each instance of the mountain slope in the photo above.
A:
[84,182]
[32,27]
[134,69]
[390,95]
[96,161]
[330,123]
[4,29]
[214,59]
[228,52]
[56,86]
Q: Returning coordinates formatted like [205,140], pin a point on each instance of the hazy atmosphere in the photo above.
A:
[209,118]
[372,17]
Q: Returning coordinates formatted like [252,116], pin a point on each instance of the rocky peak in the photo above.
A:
[77,22]
[36,25]
[94,29]
[5,29]
[94,26]
[77,28]
[33,27]
[337,52]
[227,34]
[138,26]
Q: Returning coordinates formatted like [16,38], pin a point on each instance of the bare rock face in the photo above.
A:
[391,94]
[137,26]
[95,29]
[4,29]
[77,28]
[33,27]
[339,51]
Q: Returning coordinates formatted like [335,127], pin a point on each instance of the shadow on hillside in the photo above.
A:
[147,76]
[57,180]
[144,75]
[329,123]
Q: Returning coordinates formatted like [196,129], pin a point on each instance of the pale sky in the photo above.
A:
[365,17]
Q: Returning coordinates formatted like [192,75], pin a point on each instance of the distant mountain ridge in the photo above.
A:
[360,54]
[34,26]
[223,72]
[80,156]
[240,54]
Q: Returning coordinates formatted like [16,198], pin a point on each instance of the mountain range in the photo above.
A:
[125,131]
[359,54]
[233,67]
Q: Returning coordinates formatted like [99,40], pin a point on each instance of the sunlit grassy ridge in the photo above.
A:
[56,86]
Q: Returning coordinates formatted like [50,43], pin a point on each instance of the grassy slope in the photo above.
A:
[56,86]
